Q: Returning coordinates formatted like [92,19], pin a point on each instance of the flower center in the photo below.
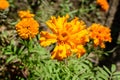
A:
[63,37]
[27,27]
[64,34]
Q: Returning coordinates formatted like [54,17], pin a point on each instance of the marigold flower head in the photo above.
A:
[27,28]
[68,36]
[104,4]
[25,14]
[81,50]
[4,4]
[99,34]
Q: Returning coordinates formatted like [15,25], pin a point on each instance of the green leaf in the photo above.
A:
[116,73]
[101,75]
[99,78]
[11,58]
[75,77]
[21,50]
[7,53]
[111,51]
[14,49]
[107,69]
[67,77]
[113,68]
[103,72]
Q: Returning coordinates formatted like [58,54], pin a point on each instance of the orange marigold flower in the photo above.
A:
[25,14]
[81,50]
[4,4]
[68,36]
[99,34]
[27,28]
[104,4]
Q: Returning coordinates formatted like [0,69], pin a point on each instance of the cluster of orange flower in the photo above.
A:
[28,27]
[99,34]
[71,37]
[4,4]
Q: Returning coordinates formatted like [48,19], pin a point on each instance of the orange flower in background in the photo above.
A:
[99,34]
[27,28]
[68,36]
[25,14]
[4,4]
[104,4]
